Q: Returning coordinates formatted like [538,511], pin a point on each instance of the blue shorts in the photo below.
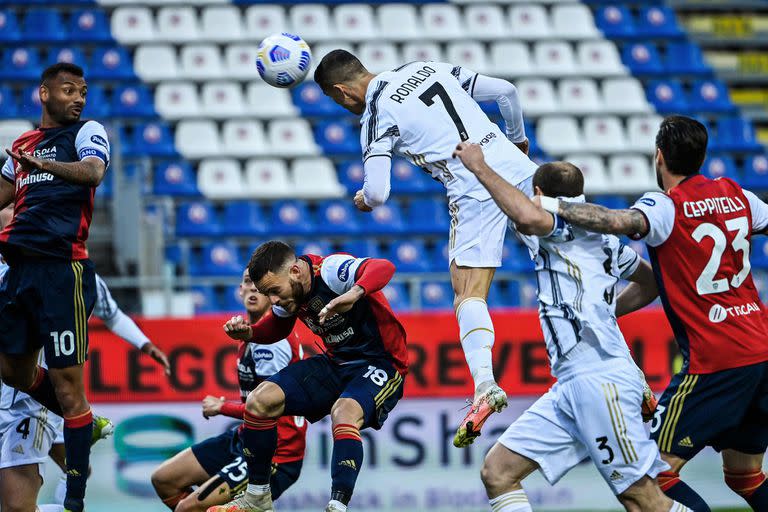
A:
[724,410]
[313,385]
[46,302]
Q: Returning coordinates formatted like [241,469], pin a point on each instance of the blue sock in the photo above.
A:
[77,445]
[259,437]
[750,485]
[347,459]
[679,491]
[759,499]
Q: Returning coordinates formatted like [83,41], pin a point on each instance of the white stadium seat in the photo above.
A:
[630,174]
[222,24]
[604,134]
[625,96]
[574,21]
[156,62]
[554,58]
[220,178]
[537,96]
[321,50]
[265,102]
[177,25]
[222,99]
[641,133]
[264,20]
[291,137]
[441,22]
[243,139]
[240,61]
[468,54]
[201,62]
[315,178]
[511,59]
[398,22]
[197,139]
[593,169]
[10,131]
[529,22]
[312,21]
[378,57]
[601,58]
[131,25]
[267,178]
[485,22]
[579,96]
[422,51]
[177,100]
[355,22]
[558,135]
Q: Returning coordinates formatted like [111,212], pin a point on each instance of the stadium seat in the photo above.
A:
[221,24]
[10,32]
[427,216]
[538,96]
[427,51]
[710,96]
[355,22]
[436,295]
[177,24]
[437,257]
[624,96]
[219,259]
[174,178]
[468,54]
[267,178]
[311,101]
[89,26]
[156,62]
[529,21]
[243,139]
[110,63]
[361,248]
[97,105]
[240,62]
[397,296]
[667,96]
[20,64]
[510,58]
[615,21]
[133,25]
[291,218]
[593,169]
[735,134]
[514,256]
[601,58]
[11,129]
[313,21]
[220,178]
[351,175]
[204,299]
[604,134]
[573,21]
[554,58]
[222,100]
[409,256]
[30,102]
[398,22]
[441,22]
[630,174]
[386,219]
[132,101]
[337,138]
[153,139]
[484,22]
[719,166]
[686,58]
[71,54]
[642,59]
[579,96]
[378,57]
[291,137]
[756,172]
[243,218]
[201,62]
[315,178]
[611,201]
[267,102]
[197,139]
[337,218]
[558,135]
[264,20]
[641,133]
[177,100]
[43,25]
[197,219]
[9,103]
[230,298]
[406,178]
[657,21]
[319,247]
[759,253]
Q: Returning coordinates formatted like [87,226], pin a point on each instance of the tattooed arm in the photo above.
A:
[600,219]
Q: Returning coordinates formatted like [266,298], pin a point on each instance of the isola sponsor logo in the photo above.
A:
[720,313]
[343,271]
[263,354]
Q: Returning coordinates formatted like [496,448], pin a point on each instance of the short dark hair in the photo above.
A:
[269,257]
[337,67]
[53,71]
[559,179]
[683,143]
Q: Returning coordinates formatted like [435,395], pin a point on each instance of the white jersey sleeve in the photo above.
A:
[628,261]
[379,131]
[9,171]
[115,319]
[106,307]
[339,271]
[504,93]
[759,212]
[282,313]
[376,184]
[92,142]
[659,209]
[270,359]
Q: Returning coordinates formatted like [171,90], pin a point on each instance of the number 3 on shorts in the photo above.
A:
[377,375]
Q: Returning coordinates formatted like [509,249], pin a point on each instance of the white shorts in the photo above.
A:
[596,415]
[26,440]
[478,228]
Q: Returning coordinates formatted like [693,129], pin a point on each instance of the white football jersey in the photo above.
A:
[422,111]
[577,273]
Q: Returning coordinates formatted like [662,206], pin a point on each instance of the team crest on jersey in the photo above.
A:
[316,304]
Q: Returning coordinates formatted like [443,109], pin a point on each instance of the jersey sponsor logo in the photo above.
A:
[45,153]
[343,272]
[686,442]
[263,354]
[647,201]
[720,313]
[710,205]
[34,178]
[485,140]
[333,339]
[98,139]
[412,83]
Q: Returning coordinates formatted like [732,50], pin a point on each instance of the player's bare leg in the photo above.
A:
[347,459]
[645,496]
[174,478]
[502,474]
[19,487]
[213,492]
[470,287]
[744,475]
[19,370]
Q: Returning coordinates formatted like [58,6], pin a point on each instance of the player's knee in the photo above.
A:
[498,478]
[265,401]
[644,494]
[162,481]
[347,410]
[190,504]
[16,502]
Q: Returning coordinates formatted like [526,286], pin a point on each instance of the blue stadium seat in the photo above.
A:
[243,218]
[218,259]
[96,103]
[311,101]
[89,26]
[495,297]
[319,247]
[71,54]
[351,175]
[642,59]
[612,202]
[174,178]
[386,219]
[398,296]
[407,178]
[759,254]
[361,248]
[132,101]
[667,96]
[710,96]
[337,217]
[657,22]
[246,252]
[515,257]
[409,256]
[291,217]
[20,64]
[197,219]
[30,102]
[438,257]
[436,295]
[230,299]
[9,27]
[45,25]
[106,188]
[756,172]
[111,63]
[686,58]
[152,139]
[615,21]
[9,103]
[719,166]
[204,299]
[176,253]
[512,295]
[427,216]
[337,138]
[735,134]
[529,297]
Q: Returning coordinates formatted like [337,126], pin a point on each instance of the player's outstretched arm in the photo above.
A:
[596,218]
[504,93]
[89,171]
[270,329]
[376,187]
[372,276]
[640,292]
[528,218]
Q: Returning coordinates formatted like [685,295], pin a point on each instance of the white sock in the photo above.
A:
[339,505]
[51,508]
[476,334]
[515,501]
[258,489]
[61,490]
[678,507]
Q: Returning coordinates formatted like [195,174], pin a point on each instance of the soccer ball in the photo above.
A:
[283,60]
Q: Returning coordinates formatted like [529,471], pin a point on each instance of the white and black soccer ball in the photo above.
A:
[283,60]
